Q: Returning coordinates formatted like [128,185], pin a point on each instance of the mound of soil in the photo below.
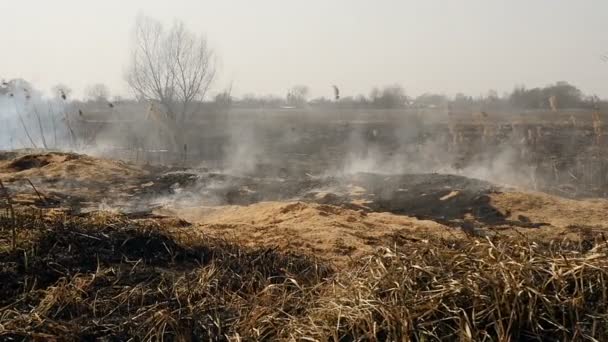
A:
[326,231]
[67,168]
[69,179]
[557,211]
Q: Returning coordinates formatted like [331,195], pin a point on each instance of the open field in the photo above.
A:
[93,247]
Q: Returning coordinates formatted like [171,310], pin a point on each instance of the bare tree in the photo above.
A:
[173,67]
[98,92]
[298,95]
[390,97]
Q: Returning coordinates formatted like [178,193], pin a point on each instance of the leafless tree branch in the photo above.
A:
[174,67]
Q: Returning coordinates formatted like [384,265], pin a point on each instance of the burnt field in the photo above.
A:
[114,278]
[311,228]
[561,153]
[260,171]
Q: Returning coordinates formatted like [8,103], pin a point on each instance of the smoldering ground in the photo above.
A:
[268,143]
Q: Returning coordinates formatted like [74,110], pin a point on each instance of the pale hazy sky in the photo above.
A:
[266,46]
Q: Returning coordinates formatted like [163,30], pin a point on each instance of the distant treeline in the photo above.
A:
[565,96]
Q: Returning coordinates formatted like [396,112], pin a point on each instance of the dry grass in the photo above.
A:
[104,275]
[476,290]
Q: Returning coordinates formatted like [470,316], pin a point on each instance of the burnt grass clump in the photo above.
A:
[31,161]
[111,277]
[27,162]
[95,276]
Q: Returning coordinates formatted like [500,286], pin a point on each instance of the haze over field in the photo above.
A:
[391,170]
[267,46]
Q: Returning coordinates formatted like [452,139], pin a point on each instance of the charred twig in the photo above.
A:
[40,128]
[69,126]
[27,132]
[185,153]
[54,125]
[12,217]
[36,190]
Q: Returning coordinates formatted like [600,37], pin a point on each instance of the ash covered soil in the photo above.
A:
[335,217]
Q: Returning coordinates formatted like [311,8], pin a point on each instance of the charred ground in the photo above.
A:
[93,248]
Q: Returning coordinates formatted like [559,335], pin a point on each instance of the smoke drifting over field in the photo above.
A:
[173,121]
[30,120]
[536,150]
